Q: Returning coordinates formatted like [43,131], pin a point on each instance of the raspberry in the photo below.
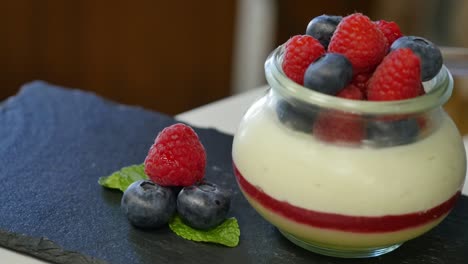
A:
[177,157]
[300,51]
[335,126]
[421,90]
[351,92]
[390,30]
[359,39]
[429,54]
[397,77]
[361,80]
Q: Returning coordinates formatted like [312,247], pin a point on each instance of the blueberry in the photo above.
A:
[322,28]
[203,206]
[392,133]
[329,74]
[296,115]
[428,53]
[148,205]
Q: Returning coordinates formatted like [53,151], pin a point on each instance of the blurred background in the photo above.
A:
[172,56]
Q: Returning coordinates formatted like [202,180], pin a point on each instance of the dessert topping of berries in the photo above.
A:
[351,92]
[329,74]
[428,52]
[396,78]
[361,60]
[360,80]
[322,28]
[359,39]
[365,45]
[300,51]
[390,29]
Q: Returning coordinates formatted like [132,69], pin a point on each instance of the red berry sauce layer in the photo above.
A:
[349,223]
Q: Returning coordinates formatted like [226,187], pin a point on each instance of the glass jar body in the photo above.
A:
[347,183]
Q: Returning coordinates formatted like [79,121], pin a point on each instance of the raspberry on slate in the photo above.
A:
[300,51]
[396,78]
[359,39]
[177,157]
[390,29]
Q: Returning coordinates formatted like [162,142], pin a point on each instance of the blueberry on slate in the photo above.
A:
[296,115]
[428,53]
[148,205]
[203,205]
[322,28]
[329,74]
[393,133]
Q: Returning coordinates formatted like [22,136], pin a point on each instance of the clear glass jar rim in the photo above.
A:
[438,91]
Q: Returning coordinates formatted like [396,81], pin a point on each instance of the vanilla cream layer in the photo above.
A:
[294,167]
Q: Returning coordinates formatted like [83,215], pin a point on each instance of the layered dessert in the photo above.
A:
[350,153]
[346,196]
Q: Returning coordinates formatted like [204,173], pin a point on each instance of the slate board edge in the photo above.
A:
[43,249]
[32,84]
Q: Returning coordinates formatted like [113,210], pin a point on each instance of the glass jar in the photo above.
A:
[349,178]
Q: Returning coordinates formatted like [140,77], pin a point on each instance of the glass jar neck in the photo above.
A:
[438,91]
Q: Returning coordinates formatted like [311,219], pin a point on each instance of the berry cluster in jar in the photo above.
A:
[356,58]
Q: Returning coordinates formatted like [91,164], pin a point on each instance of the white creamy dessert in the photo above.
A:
[297,169]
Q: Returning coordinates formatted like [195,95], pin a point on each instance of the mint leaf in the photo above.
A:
[226,233]
[124,177]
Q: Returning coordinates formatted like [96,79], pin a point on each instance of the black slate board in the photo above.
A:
[54,145]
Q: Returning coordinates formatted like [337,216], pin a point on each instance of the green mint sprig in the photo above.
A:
[124,177]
